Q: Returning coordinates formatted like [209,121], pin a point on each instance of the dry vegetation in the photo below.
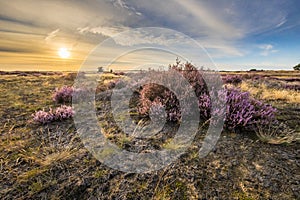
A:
[262,91]
[50,162]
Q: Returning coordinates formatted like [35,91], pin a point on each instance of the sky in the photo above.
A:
[235,34]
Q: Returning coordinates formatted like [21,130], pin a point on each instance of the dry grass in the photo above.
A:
[56,157]
[261,91]
[277,134]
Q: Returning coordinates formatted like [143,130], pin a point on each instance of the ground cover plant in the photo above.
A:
[58,114]
[63,94]
[232,79]
[50,162]
[243,112]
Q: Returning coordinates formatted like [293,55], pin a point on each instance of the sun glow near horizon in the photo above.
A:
[64,53]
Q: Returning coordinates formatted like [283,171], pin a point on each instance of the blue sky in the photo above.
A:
[237,34]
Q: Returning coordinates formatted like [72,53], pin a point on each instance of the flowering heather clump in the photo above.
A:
[204,104]
[232,79]
[254,76]
[242,111]
[153,94]
[292,87]
[61,113]
[111,85]
[282,85]
[43,117]
[63,95]
[193,75]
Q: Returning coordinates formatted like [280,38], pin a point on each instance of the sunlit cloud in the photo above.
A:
[104,30]
[51,35]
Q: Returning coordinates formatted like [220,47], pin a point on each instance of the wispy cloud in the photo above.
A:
[283,21]
[267,49]
[51,35]
[108,31]
[122,4]
[204,16]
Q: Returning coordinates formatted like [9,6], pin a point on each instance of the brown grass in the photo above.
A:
[261,91]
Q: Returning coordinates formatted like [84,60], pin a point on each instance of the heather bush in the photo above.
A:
[43,117]
[282,85]
[157,95]
[194,76]
[254,77]
[111,85]
[292,87]
[61,113]
[116,82]
[63,94]
[291,79]
[242,111]
[153,94]
[232,79]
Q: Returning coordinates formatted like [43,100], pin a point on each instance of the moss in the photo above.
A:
[177,190]
[99,173]
[36,187]
[241,196]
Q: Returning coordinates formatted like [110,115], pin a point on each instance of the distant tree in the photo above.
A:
[297,67]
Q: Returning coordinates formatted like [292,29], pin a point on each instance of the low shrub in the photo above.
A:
[232,79]
[242,111]
[61,113]
[279,85]
[292,87]
[43,117]
[63,94]
[153,95]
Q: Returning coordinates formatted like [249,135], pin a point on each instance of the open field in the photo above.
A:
[50,162]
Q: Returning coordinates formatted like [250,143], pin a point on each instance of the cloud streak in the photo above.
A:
[267,49]
[52,35]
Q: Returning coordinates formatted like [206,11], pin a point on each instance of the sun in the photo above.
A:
[64,53]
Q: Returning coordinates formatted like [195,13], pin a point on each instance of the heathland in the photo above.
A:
[256,157]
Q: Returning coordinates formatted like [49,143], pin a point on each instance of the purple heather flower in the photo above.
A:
[63,94]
